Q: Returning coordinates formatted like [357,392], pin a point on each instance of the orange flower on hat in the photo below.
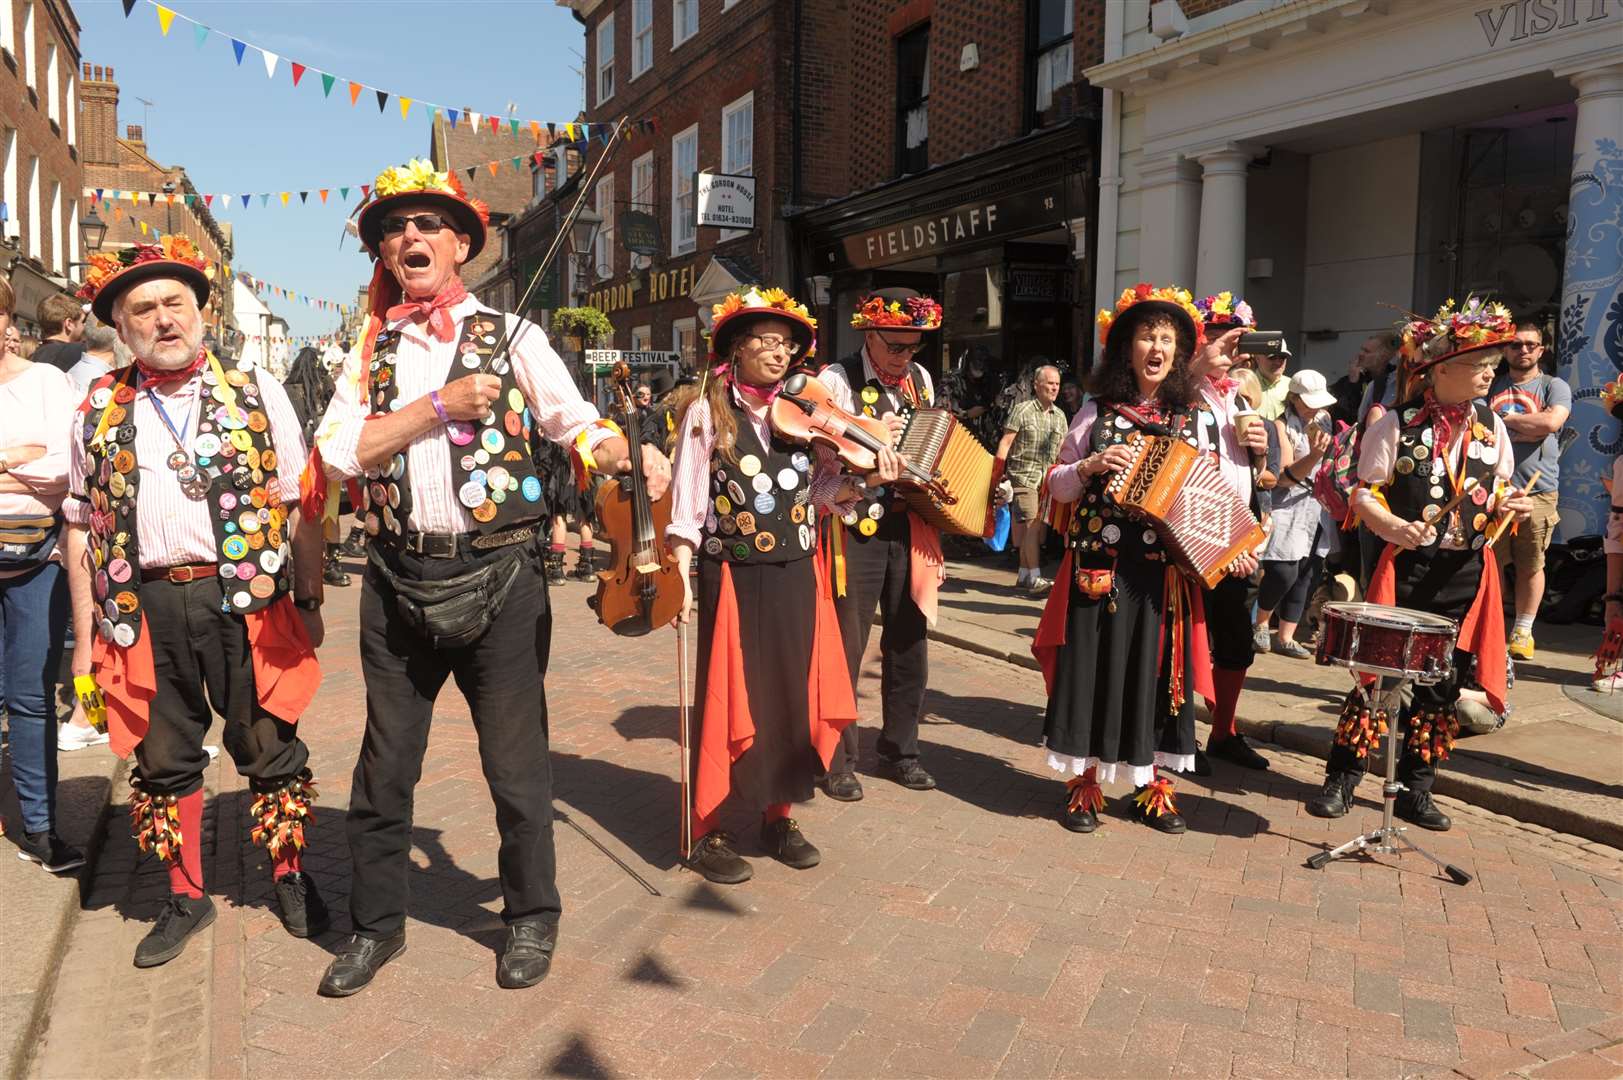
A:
[1138,294]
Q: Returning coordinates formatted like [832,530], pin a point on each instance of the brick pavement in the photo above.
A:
[960,932]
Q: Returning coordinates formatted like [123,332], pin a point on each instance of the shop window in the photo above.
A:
[1051,63]
[685,340]
[642,36]
[913,101]
[684,21]
[605,58]
[603,246]
[684,215]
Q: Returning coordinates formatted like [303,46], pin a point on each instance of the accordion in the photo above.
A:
[960,499]
[1181,491]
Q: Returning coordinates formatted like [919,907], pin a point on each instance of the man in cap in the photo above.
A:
[886,558]
[435,412]
[196,589]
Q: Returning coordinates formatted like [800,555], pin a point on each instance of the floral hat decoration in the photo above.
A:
[1611,398]
[419,182]
[1451,332]
[746,306]
[901,310]
[113,273]
[1226,310]
[1145,298]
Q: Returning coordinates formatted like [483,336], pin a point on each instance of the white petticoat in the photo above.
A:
[1110,772]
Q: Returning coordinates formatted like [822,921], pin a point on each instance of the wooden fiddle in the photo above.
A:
[803,412]
[642,587]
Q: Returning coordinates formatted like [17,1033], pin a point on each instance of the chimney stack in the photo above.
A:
[98,117]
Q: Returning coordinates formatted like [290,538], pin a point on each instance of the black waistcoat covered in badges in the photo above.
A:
[1420,481]
[868,517]
[1100,531]
[761,507]
[492,472]
[234,453]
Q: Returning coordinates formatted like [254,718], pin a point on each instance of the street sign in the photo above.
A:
[639,232]
[603,359]
[725,200]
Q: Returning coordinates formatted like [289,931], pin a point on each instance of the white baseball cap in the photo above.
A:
[1310,387]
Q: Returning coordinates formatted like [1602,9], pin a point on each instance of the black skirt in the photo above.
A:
[1111,702]
[776,629]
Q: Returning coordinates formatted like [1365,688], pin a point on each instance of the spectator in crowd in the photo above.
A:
[36,402]
[11,341]
[1275,385]
[1070,397]
[1371,366]
[1031,440]
[62,320]
[1534,406]
[973,391]
[100,355]
[310,387]
[645,397]
[1288,561]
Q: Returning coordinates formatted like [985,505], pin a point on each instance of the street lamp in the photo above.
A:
[582,235]
[92,231]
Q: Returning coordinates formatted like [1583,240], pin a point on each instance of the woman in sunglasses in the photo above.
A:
[773,691]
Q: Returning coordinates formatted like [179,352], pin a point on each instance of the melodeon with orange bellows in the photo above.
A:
[1197,514]
[961,500]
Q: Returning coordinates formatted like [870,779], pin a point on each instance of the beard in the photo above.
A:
[168,355]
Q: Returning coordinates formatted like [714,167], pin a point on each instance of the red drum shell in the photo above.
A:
[1381,640]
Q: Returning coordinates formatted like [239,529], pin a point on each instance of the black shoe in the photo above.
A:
[180,918]
[48,850]
[555,568]
[1168,822]
[715,857]
[784,841]
[843,786]
[583,568]
[354,545]
[527,955]
[1416,808]
[1335,798]
[1236,751]
[358,960]
[908,773]
[1203,765]
[333,574]
[300,906]
[1076,819]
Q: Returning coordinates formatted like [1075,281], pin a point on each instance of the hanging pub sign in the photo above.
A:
[639,232]
[725,200]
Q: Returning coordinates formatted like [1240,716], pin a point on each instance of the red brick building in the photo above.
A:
[40,176]
[166,201]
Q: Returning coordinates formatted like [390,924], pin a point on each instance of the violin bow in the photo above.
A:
[686,838]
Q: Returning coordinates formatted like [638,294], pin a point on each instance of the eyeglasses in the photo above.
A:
[427,224]
[1526,345]
[778,341]
[903,348]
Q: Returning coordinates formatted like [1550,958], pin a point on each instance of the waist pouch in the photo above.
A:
[26,540]
[454,611]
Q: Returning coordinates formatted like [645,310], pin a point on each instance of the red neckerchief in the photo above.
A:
[763,394]
[1222,384]
[435,312]
[161,375]
[1445,421]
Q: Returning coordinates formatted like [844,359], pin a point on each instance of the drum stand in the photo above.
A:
[1388,839]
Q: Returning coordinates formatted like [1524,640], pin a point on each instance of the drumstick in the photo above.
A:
[1504,522]
[1470,485]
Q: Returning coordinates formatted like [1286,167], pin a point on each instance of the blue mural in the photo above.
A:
[1589,340]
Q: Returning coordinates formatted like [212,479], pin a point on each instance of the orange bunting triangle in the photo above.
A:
[355,89]
[324,194]
[493,166]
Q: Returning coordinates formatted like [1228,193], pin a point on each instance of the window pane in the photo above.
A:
[1053,72]
[605,58]
[1053,21]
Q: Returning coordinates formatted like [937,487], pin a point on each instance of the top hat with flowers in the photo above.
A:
[113,273]
[1451,332]
[1145,299]
[1225,312]
[748,306]
[418,183]
[896,309]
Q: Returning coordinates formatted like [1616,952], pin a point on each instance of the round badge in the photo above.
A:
[124,635]
[228,500]
[1474,451]
[849,519]
[1490,455]
[741,551]
[1479,495]
[788,479]
[262,586]
[765,542]
[749,464]
[267,460]
[242,440]
[270,561]
[100,398]
[468,463]
[727,525]
[119,570]
[1421,453]
[248,521]
[127,602]
[106,628]
[471,358]
[123,461]
[257,421]
[235,547]
[870,395]
[481,457]
[875,511]
[377,493]
[761,482]
[491,441]
[257,497]
[797,513]
[515,399]
[1476,544]
[712,546]
[117,484]
[1430,513]
[867,526]
[246,570]
[1404,466]
[497,477]
[231,421]
[1150,537]
[724,505]
[1123,423]
[124,394]
[1436,492]
[513,423]
[1427,437]
[1110,534]
[805,538]
[530,489]
[801,462]
[98,585]
[394,496]
[498,495]
[471,494]
[241,598]
[1479,522]
[478,477]
[764,503]
[459,432]
[228,570]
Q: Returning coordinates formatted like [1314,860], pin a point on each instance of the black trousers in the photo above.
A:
[501,674]
[1414,771]
[1228,621]
[877,573]
[203,665]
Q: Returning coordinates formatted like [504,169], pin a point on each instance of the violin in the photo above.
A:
[804,413]
[642,587]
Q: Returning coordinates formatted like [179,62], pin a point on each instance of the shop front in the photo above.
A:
[653,309]
[999,238]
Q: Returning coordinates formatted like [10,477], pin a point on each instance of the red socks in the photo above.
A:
[186,872]
[1227,684]
[775,812]
[288,862]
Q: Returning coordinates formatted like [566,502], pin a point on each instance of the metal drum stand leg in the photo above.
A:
[1389,838]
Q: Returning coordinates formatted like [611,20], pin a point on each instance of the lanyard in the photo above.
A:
[1456,479]
[163,415]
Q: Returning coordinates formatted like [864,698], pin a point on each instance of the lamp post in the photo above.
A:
[582,236]
[92,231]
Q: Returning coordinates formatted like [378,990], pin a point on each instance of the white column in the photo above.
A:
[1220,262]
[1591,294]
[1170,217]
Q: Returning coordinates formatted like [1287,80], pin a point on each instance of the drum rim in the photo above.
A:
[1372,614]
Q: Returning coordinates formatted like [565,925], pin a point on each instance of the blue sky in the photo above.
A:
[235,130]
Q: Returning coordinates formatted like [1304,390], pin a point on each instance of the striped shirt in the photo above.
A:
[36,406]
[422,364]
[173,529]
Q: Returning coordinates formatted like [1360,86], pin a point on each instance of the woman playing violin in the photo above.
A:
[1120,639]
[773,692]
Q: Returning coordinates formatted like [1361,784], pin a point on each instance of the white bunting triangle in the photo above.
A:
[270,63]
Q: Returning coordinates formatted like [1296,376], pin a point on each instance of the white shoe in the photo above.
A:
[70,737]
[1609,684]
[212,751]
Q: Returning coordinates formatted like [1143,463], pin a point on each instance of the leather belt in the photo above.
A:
[450,545]
[180,575]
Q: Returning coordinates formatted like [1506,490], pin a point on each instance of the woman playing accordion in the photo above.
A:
[1122,641]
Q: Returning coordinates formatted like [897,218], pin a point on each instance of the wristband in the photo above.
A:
[439,406]
[1612,598]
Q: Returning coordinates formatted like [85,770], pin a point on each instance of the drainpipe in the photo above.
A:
[1104,278]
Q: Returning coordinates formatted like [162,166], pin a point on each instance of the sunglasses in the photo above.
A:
[1524,346]
[775,341]
[902,348]
[427,224]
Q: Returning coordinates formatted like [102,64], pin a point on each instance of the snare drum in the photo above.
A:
[1378,640]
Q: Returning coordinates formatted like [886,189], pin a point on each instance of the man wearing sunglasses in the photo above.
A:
[1534,407]
[435,412]
[879,548]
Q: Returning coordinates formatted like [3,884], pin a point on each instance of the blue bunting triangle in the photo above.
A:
[238,47]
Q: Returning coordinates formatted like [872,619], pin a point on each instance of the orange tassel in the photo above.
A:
[1156,797]
[1431,735]
[1177,608]
[281,815]
[1086,794]
[1358,729]
[155,824]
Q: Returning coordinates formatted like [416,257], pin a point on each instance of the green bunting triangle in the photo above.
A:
[327,84]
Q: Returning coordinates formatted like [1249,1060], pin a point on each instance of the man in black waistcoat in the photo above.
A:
[434,415]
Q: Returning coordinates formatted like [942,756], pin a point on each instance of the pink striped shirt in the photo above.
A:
[422,364]
[172,528]
[37,408]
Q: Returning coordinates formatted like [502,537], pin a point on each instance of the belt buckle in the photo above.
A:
[175,574]
[444,549]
